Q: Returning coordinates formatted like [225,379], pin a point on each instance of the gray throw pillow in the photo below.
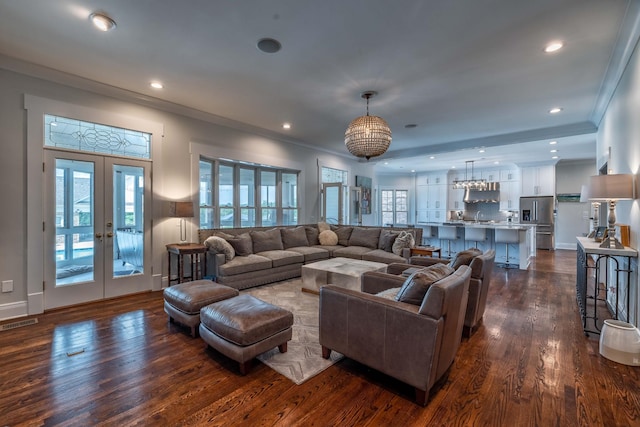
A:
[220,246]
[294,237]
[366,237]
[242,244]
[416,286]
[269,240]
[312,235]
[387,238]
[343,234]
[464,257]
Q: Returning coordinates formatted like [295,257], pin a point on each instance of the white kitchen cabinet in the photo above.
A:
[454,199]
[509,195]
[508,175]
[436,178]
[422,193]
[539,181]
[437,196]
[490,175]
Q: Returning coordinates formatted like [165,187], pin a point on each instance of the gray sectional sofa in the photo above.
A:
[264,255]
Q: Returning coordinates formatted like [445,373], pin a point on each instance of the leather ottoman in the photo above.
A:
[243,327]
[183,302]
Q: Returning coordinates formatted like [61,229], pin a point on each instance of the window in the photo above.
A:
[395,207]
[78,135]
[239,195]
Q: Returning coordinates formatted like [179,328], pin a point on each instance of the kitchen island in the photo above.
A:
[520,250]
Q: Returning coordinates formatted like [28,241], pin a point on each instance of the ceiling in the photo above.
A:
[468,74]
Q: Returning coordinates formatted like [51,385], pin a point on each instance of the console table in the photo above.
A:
[588,298]
[195,251]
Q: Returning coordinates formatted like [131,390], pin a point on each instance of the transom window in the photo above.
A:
[78,135]
[241,195]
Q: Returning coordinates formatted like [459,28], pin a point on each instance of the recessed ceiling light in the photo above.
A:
[554,157]
[413,170]
[286,125]
[453,167]
[269,45]
[555,110]
[432,157]
[156,85]
[553,142]
[554,151]
[553,46]
[481,150]
[496,162]
[102,22]
[386,163]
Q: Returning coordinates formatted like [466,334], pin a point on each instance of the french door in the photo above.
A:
[97,227]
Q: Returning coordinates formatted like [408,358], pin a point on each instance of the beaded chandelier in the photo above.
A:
[368,136]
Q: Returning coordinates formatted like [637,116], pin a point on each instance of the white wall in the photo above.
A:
[175,180]
[573,218]
[619,139]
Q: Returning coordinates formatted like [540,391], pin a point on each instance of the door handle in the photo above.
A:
[98,235]
[110,234]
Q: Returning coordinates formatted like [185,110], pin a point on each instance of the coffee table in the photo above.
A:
[345,272]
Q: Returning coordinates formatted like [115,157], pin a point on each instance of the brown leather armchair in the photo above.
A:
[414,344]
[481,271]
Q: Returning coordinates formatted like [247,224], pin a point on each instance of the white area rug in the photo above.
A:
[303,358]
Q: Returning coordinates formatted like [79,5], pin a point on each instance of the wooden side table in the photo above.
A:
[197,254]
[426,251]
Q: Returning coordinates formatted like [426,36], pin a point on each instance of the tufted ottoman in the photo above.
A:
[183,302]
[243,327]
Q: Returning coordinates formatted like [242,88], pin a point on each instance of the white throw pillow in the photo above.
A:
[404,240]
[328,238]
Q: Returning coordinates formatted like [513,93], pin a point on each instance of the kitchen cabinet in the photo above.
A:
[455,199]
[490,175]
[539,181]
[509,175]
[509,195]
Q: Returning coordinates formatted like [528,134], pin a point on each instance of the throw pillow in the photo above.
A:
[322,226]
[294,237]
[416,286]
[343,234]
[312,235]
[387,238]
[220,246]
[242,244]
[366,237]
[328,238]
[464,257]
[389,294]
[269,240]
[404,240]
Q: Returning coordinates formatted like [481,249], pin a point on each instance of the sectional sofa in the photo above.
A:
[263,255]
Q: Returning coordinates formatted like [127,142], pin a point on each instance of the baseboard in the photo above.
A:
[567,246]
[13,310]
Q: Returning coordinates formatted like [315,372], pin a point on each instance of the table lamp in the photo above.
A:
[595,208]
[611,188]
[181,210]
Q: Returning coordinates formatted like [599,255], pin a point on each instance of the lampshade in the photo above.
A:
[611,187]
[584,194]
[367,136]
[181,209]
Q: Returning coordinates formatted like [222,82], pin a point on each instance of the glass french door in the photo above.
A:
[332,202]
[97,227]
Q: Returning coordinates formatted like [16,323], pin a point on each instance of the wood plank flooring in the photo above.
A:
[120,363]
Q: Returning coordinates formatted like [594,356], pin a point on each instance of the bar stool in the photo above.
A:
[475,235]
[507,236]
[448,233]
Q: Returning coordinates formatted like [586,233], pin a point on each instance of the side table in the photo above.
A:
[426,251]
[196,252]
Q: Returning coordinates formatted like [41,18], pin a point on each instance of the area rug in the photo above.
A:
[303,358]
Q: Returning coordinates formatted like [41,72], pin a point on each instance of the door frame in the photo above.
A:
[36,107]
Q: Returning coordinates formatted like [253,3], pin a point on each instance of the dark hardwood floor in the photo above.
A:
[120,363]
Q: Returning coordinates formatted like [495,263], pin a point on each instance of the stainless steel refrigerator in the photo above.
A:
[541,212]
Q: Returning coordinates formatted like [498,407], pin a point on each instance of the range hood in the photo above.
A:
[489,194]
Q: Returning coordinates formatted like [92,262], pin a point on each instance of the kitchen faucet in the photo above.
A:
[477,215]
